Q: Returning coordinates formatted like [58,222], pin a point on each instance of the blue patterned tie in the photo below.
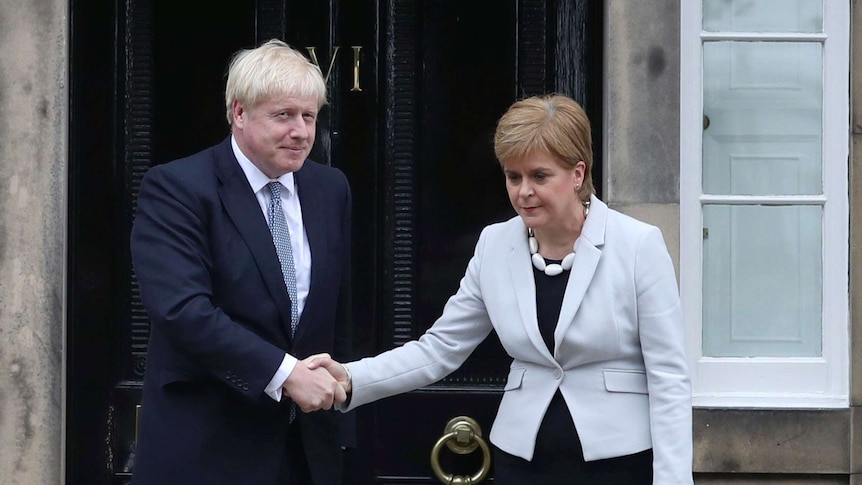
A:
[281,238]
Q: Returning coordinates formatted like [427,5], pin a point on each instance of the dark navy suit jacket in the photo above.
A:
[211,283]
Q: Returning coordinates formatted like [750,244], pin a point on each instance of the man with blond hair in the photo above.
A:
[242,256]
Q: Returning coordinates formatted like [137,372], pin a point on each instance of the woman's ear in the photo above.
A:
[580,170]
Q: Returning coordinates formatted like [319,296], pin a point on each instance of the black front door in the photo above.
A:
[415,87]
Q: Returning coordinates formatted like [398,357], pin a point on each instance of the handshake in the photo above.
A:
[317,382]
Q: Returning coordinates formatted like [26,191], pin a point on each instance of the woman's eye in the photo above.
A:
[540,176]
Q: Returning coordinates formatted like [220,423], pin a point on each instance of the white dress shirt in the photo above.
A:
[298,243]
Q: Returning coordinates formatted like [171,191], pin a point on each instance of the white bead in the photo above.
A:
[553,269]
[538,262]
[567,261]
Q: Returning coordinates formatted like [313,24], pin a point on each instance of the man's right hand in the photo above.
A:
[336,369]
[313,389]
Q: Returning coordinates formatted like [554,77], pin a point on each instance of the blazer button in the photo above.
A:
[245,387]
[557,374]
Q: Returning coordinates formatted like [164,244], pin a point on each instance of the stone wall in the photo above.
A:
[33,153]
[641,132]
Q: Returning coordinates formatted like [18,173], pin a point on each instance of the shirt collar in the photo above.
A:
[256,178]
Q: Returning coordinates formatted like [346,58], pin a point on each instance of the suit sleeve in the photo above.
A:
[170,244]
[662,337]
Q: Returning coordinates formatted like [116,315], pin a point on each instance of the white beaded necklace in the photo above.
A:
[552,269]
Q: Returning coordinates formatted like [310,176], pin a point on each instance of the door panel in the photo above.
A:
[448,70]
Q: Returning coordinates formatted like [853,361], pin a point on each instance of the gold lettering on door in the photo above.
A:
[356,49]
[312,53]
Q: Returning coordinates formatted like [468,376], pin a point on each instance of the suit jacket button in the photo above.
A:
[557,374]
[245,387]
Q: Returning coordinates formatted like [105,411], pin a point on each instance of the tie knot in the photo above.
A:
[274,189]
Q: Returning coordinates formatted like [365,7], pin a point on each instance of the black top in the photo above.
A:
[557,436]
[549,301]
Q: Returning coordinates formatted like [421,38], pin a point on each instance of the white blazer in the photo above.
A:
[618,360]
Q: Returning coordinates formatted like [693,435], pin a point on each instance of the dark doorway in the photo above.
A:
[415,87]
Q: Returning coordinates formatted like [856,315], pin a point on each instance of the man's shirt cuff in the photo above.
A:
[273,390]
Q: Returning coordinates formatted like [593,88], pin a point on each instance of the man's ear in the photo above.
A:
[238,113]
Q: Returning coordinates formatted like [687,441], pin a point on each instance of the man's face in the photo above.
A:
[277,134]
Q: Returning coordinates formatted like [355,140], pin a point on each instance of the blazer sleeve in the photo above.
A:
[170,244]
[463,325]
[662,336]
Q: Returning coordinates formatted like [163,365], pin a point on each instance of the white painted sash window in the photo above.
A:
[764,202]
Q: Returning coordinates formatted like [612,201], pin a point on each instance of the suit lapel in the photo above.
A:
[524,286]
[587,256]
[314,221]
[244,210]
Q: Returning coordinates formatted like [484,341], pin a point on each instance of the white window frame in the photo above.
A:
[821,382]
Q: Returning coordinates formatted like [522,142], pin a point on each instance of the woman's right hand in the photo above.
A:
[338,371]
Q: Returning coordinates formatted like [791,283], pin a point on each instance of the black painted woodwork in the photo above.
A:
[146,86]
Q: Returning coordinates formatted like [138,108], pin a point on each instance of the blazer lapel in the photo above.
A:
[244,210]
[524,287]
[587,256]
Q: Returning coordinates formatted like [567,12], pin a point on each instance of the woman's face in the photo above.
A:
[543,191]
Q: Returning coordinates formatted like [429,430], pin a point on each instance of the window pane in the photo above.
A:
[763,105]
[762,280]
[763,15]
